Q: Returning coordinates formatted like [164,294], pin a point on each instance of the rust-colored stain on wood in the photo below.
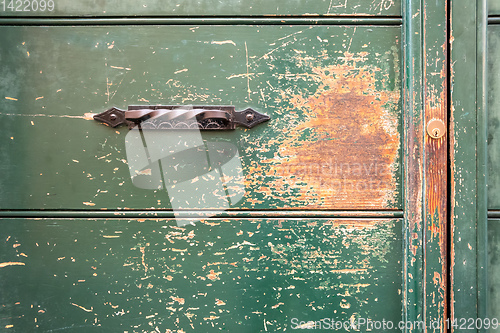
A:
[437,175]
[343,150]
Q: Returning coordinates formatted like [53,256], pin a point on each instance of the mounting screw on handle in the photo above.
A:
[436,128]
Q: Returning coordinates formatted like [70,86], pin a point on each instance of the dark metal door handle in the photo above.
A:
[182,117]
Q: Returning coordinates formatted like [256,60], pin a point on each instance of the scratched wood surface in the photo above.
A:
[436,156]
[206,7]
[468,199]
[494,117]
[239,275]
[334,140]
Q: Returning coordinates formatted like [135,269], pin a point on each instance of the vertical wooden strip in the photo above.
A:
[468,165]
[413,120]
[482,161]
[435,68]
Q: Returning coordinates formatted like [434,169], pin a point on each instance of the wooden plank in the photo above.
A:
[197,8]
[426,189]
[468,178]
[493,117]
[435,73]
[413,149]
[244,275]
[334,140]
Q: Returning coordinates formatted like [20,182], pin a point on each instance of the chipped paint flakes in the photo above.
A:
[123,68]
[89,203]
[11,98]
[81,307]
[214,275]
[239,245]
[178,300]
[340,148]
[224,42]
[11,263]
[277,305]
[219,302]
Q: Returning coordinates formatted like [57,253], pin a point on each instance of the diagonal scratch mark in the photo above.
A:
[284,44]
[117,87]
[68,327]
[248,72]
[350,42]
[81,307]
[290,35]
[329,7]
[107,79]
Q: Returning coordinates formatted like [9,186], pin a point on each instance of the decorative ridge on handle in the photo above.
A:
[182,117]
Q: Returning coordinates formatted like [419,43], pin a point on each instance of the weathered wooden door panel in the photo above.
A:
[333,94]
[306,218]
[244,275]
[204,7]
[493,305]
[494,117]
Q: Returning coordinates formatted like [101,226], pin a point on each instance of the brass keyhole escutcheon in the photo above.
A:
[436,128]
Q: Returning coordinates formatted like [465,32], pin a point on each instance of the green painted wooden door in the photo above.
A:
[320,216]
[493,203]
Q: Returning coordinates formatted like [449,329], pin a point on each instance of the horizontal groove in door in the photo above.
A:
[493,19]
[67,21]
[200,214]
[494,214]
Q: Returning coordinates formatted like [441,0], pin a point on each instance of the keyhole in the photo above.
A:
[436,128]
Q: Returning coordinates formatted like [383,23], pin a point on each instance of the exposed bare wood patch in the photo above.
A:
[341,148]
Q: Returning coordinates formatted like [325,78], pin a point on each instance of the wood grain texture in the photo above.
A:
[245,275]
[426,164]
[413,150]
[435,89]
